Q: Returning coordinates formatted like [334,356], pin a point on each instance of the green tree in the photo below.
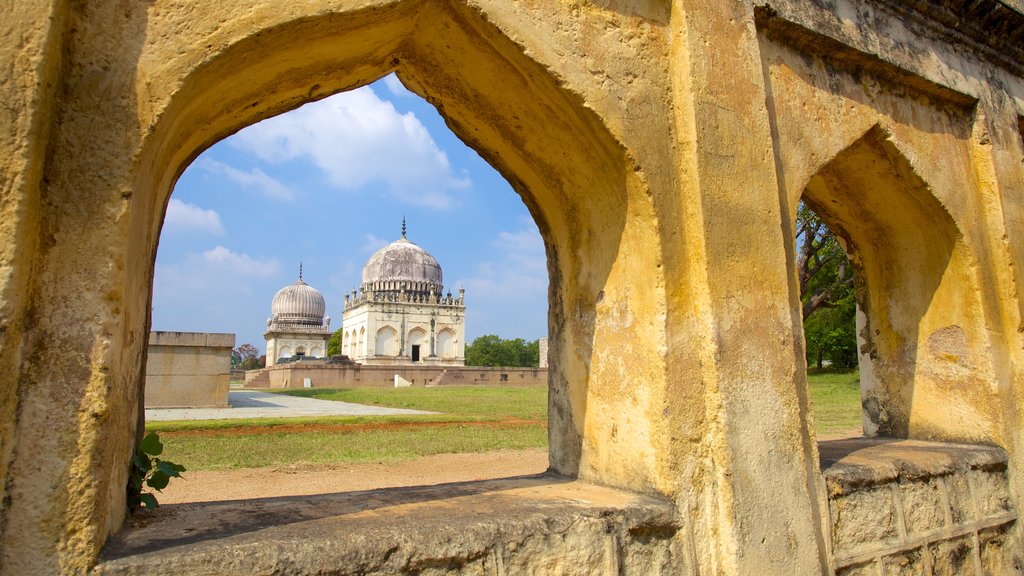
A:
[826,293]
[334,343]
[490,350]
[246,356]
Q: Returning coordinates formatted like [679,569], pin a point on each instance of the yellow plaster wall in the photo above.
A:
[661,148]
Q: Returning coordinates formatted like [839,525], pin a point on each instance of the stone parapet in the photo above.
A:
[535,525]
[912,507]
[324,375]
[205,339]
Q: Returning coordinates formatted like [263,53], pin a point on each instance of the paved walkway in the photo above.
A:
[248,404]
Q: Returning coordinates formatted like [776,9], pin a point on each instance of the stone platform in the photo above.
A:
[532,524]
[899,506]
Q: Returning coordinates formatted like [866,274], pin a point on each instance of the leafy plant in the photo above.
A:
[150,471]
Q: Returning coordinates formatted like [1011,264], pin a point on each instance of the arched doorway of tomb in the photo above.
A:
[921,338]
[416,339]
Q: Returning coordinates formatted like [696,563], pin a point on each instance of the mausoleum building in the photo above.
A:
[298,323]
[400,314]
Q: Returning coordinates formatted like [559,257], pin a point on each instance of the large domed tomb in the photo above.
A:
[402,265]
[400,314]
[298,325]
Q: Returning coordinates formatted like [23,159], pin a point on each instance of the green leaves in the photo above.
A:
[149,501]
[151,445]
[150,471]
[170,468]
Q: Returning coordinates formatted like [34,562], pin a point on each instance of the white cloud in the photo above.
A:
[519,266]
[373,243]
[357,139]
[197,273]
[255,179]
[242,264]
[185,216]
[396,87]
[218,290]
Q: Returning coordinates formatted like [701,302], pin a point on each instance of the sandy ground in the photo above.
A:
[246,483]
[298,480]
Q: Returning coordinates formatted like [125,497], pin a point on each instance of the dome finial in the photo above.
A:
[403,227]
[300,270]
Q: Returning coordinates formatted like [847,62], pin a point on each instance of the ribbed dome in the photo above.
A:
[298,303]
[402,265]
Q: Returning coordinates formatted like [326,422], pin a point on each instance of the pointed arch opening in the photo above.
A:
[574,177]
[916,288]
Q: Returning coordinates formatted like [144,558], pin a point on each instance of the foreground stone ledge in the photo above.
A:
[910,507]
[535,524]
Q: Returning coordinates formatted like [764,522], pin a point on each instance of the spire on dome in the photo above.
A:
[300,270]
[403,227]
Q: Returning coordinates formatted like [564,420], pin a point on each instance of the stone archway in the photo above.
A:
[640,135]
[917,297]
[590,204]
[415,344]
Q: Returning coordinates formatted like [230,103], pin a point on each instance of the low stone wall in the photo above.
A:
[909,507]
[532,525]
[188,369]
[324,375]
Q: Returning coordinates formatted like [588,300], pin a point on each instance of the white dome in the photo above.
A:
[298,303]
[402,265]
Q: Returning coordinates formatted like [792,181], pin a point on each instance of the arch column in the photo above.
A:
[758,445]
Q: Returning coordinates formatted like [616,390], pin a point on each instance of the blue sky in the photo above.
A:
[328,184]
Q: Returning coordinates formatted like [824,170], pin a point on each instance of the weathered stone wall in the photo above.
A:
[920,508]
[188,369]
[342,376]
[660,146]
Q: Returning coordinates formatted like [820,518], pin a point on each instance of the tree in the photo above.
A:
[246,356]
[826,275]
[334,343]
[826,293]
[490,350]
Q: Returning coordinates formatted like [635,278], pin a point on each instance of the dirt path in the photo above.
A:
[245,483]
[298,480]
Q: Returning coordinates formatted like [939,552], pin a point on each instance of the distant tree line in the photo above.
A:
[491,350]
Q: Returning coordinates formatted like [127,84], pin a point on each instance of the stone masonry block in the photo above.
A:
[953,557]
[961,502]
[924,506]
[1000,551]
[864,517]
[909,563]
[991,488]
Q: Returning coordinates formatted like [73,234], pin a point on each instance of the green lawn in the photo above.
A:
[325,446]
[479,402]
[474,419]
[835,400]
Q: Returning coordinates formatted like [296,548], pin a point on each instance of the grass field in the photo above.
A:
[835,399]
[473,419]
